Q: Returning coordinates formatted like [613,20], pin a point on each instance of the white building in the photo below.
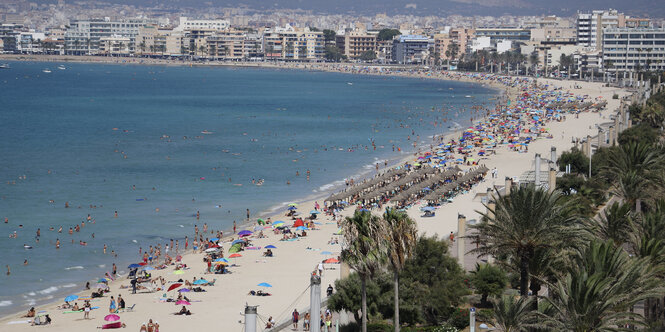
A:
[83,36]
[590,26]
[187,24]
[626,49]
[480,43]
[503,46]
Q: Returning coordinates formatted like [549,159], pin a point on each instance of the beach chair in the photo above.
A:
[212,283]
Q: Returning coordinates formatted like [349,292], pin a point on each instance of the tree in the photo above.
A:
[142,47]
[362,250]
[368,56]
[613,224]
[634,169]
[333,54]
[599,287]
[566,61]
[329,35]
[401,236]
[452,50]
[526,220]
[432,285]
[387,34]
[512,315]
[579,163]
[643,132]
[488,280]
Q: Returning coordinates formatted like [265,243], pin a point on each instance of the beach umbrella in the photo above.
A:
[293,204]
[103,280]
[184,290]
[245,233]
[258,228]
[235,255]
[182,302]
[314,212]
[237,241]
[270,246]
[221,263]
[331,261]
[222,259]
[278,224]
[133,266]
[71,298]
[200,281]
[100,285]
[179,272]
[148,268]
[260,220]
[301,228]
[291,208]
[214,239]
[264,284]
[212,249]
[174,286]
[112,318]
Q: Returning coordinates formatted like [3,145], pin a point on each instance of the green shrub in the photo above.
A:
[615,96]
[459,318]
[484,315]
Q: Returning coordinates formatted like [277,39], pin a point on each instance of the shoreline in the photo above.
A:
[307,201]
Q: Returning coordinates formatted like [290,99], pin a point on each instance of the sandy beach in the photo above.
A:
[289,270]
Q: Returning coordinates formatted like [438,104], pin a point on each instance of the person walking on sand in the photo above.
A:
[234,227]
[294,317]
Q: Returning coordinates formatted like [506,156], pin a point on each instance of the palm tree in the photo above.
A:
[615,224]
[512,315]
[401,236]
[362,250]
[635,168]
[525,221]
[598,289]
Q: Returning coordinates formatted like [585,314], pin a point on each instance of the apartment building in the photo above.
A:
[83,36]
[590,26]
[627,49]
[356,42]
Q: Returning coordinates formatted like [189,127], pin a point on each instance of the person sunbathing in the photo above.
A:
[184,311]
[31,312]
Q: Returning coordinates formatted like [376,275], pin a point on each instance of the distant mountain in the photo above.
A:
[653,8]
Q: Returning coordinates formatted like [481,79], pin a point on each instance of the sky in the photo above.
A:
[638,8]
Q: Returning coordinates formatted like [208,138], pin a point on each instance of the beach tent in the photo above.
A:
[298,223]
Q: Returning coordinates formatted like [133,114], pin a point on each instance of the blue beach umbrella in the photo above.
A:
[71,298]
[270,246]
[148,268]
[221,260]
[302,228]
[291,208]
[264,284]
[133,266]
[237,241]
[214,239]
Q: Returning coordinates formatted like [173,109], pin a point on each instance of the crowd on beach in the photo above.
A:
[208,243]
[514,123]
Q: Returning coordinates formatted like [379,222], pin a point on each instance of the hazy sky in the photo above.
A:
[654,8]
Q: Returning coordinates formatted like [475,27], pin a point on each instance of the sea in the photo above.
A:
[157,144]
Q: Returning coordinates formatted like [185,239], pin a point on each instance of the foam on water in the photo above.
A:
[48,290]
[6,303]
[78,267]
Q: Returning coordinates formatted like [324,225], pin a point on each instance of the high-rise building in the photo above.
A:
[590,26]
[627,49]
[83,36]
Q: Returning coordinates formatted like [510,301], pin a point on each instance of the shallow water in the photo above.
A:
[88,134]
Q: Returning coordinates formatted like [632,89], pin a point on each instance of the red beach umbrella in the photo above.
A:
[174,286]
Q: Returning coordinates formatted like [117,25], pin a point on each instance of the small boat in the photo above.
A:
[349,83]
[467,96]
[61,67]
[4,66]
[48,71]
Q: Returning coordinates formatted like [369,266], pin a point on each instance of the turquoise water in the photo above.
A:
[129,139]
